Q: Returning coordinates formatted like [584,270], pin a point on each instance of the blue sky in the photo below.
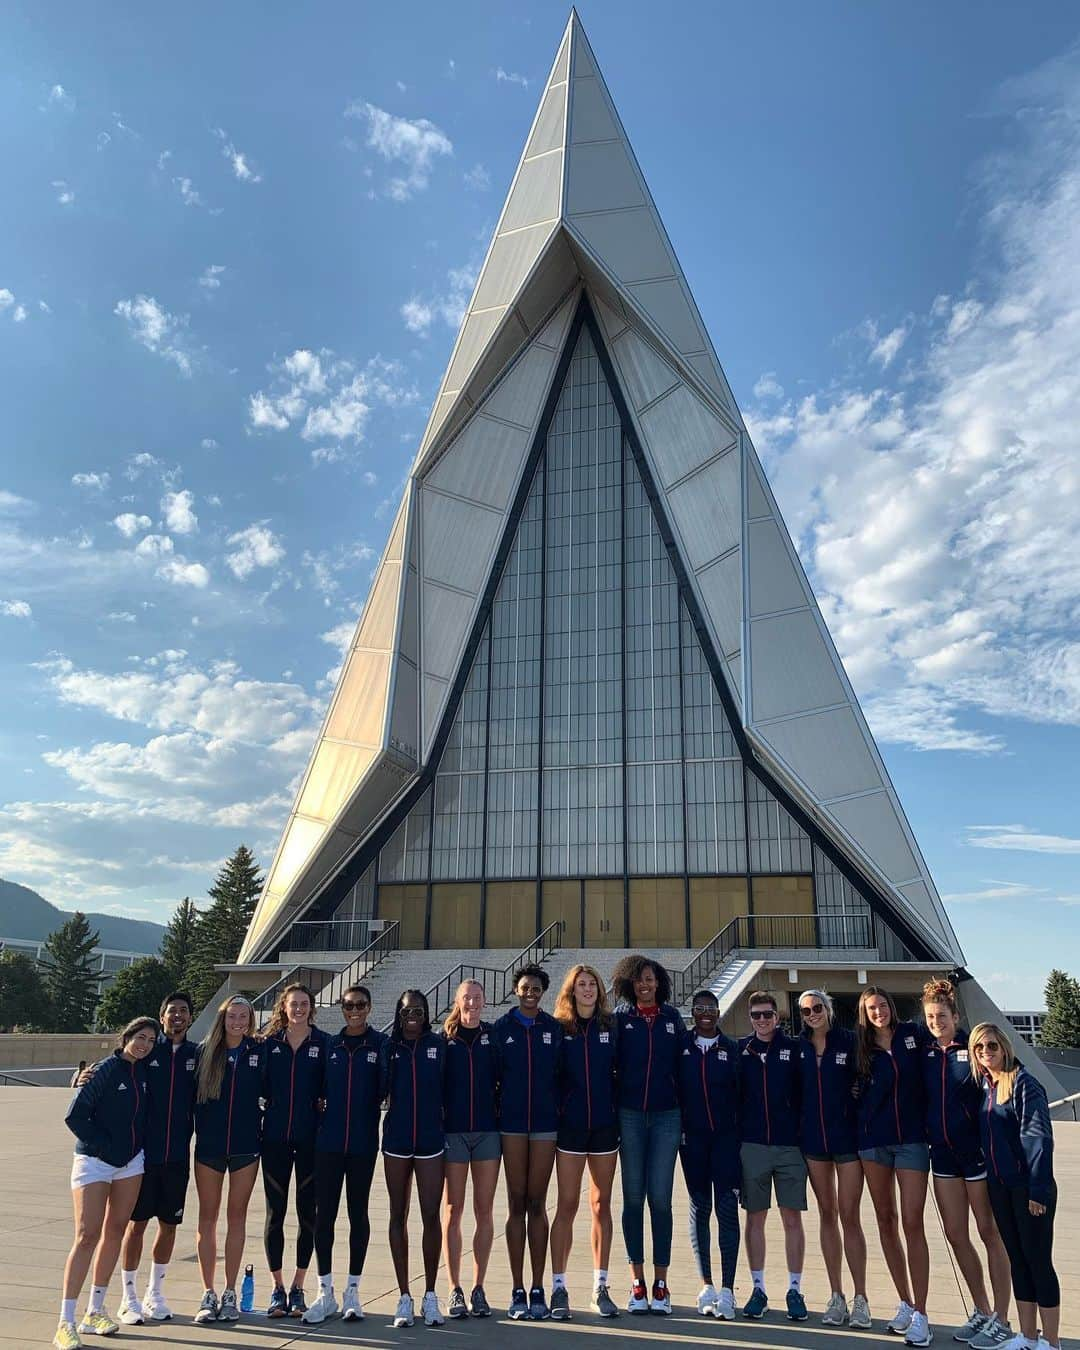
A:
[209,210]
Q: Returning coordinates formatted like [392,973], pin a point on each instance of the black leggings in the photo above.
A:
[1029,1242]
[331,1171]
[278,1161]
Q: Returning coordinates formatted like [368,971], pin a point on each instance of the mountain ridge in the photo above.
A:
[27,915]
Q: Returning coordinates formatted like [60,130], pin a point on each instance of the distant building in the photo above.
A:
[107,960]
[1028,1024]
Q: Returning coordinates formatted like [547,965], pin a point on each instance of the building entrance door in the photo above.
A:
[657,912]
[604,914]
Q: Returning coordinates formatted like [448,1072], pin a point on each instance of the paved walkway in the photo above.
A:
[35,1230]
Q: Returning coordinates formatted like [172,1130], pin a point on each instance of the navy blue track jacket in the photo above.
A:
[648,1058]
[1017,1137]
[471,1082]
[170,1092]
[107,1115]
[827,1121]
[587,1075]
[953,1098]
[293,1087]
[233,1123]
[891,1105]
[350,1090]
[709,1088]
[770,1094]
[411,1078]
[529,1064]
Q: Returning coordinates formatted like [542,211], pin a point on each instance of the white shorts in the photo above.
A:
[86,1170]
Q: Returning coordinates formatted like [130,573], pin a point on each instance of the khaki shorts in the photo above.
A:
[767,1165]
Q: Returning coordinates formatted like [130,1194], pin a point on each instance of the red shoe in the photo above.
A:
[639,1298]
[661,1299]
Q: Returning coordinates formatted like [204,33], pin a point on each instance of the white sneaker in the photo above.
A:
[707,1300]
[351,1311]
[429,1308]
[920,1332]
[836,1311]
[131,1312]
[859,1317]
[1018,1342]
[725,1305]
[404,1315]
[324,1306]
[155,1307]
[902,1321]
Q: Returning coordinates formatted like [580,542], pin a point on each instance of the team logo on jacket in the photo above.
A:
[909,1041]
[686,1051]
[547,1037]
[722,1054]
[785,1055]
[372,1056]
[509,1040]
[313,1052]
[962,1056]
[484,1039]
[276,1050]
[190,1066]
[670,1028]
[253,1061]
[153,1064]
[841,1057]
[433,1052]
[122,1087]
[605,1036]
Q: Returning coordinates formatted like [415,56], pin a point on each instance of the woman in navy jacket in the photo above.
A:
[828,1065]
[650,1124]
[953,1098]
[892,1146]
[107,1116]
[229,1085]
[709,1098]
[411,1078]
[346,1146]
[528,1042]
[1018,1141]
[588,1131]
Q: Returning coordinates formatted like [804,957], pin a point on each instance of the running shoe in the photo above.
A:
[902,1321]
[560,1305]
[279,1302]
[603,1303]
[519,1306]
[706,1301]
[994,1334]
[725,1305]
[660,1303]
[971,1328]
[836,1312]
[155,1307]
[66,1338]
[639,1298]
[228,1311]
[1020,1342]
[351,1311]
[130,1312]
[538,1308]
[756,1305]
[297,1303]
[919,1333]
[796,1305]
[324,1306]
[859,1317]
[457,1307]
[404,1315]
[430,1310]
[478,1304]
[208,1308]
[98,1324]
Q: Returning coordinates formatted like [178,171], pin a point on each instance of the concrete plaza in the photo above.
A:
[35,1229]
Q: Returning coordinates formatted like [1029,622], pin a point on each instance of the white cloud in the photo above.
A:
[139,464]
[418,316]
[11,504]
[129,524]
[768,386]
[257,546]
[510,77]
[7,302]
[884,349]
[995,890]
[1021,839]
[211,277]
[264,414]
[154,546]
[178,511]
[156,329]
[237,160]
[179,572]
[18,314]
[415,144]
[15,609]
[448,303]
[121,616]
[340,636]
[60,98]
[189,194]
[65,195]
[477,178]
[93,482]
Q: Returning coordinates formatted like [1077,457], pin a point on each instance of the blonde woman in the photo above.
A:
[107,1116]
[473,1143]
[228,1132]
[588,1132]
[1018,1141]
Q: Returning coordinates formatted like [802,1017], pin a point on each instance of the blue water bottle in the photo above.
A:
[247,1290]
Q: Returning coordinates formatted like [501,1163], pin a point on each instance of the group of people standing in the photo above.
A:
[589,1086]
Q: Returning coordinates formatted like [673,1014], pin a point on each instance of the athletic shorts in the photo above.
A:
[534,1136]
[902,1157]
[837,1158]
[947,1165]
[86,1170]
[765,1166]
[603,1140]
[473,1146]
[163,1192]
[235,1162]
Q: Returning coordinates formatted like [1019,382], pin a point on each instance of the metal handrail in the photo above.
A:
[6,1077]
[329,935]
[1072,1101]
[326,985]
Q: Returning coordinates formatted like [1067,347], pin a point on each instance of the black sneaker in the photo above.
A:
[297,1303]
[538,1308]
[519,1306]
[457,1307]
[279,1303]
[478,1304]
[560,1305]
[603,1303]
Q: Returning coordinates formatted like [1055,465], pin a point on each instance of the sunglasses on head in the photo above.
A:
[813,1010]
[355,1005]
[762,1014]
[989,1047]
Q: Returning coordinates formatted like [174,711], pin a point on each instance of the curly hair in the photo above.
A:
[398,1032]
[534,972]
[565,1010]
[629,969]
[941,991]
[279,1019]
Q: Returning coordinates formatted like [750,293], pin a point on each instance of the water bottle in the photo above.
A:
[247,1290]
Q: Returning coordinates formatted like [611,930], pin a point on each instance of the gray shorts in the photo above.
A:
[767,1165]
[473,1146]
[902,1157]
[548,1136]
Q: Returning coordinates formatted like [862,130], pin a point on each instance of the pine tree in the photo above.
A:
[1061,1025]
[221,926]
[135,991]
[24,1001]
[71,974]
[178,943]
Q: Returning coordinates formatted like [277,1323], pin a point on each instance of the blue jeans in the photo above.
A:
[648,1149]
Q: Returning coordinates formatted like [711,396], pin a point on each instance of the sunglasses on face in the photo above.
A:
[412,1012]
[351,1005]
[987,1048]
[813,1010]
[704,1008]
[762,1014]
